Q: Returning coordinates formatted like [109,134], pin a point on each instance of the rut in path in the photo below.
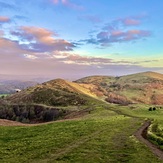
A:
[59,153]
[141,134]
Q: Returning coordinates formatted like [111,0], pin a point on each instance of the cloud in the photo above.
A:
[121,36]
[69,68]
[76,59]
[1,33]
[129,22]
[55,1]
[16,61]
[4,19]
[9,47]
[29,56]
[69,4]
[106,38]
[41,40]
[118,31]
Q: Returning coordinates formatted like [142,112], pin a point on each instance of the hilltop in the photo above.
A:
[56,92]
[144,88]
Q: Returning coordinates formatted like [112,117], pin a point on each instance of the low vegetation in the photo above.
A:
[31,113]
[155,134]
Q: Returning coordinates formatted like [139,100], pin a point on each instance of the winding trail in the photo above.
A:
[141,134]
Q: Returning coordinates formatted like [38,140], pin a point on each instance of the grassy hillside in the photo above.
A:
[102,136]
[137,88]
[56,99]
[54,93]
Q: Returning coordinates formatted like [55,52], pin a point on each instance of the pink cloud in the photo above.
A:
[1,33]
[41,40]
[69,4]
[7,44]
[117,33]
[39,34]
[4,19]
[55,1]
[135,34]
[131,21]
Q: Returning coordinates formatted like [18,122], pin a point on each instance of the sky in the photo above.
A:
[71,39]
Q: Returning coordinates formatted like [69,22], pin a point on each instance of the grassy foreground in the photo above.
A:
[102,136]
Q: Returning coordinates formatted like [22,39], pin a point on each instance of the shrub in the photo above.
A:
[150,109]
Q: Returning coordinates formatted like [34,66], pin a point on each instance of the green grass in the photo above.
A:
[3,95]
[101,136]
[141,111]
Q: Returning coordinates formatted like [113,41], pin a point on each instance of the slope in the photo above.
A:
[144,87]
[56,92]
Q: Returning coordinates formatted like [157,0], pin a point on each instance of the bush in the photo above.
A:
[30,113]
[152,134]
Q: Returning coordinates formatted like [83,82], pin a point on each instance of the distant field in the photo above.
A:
[101,136]
[1,95]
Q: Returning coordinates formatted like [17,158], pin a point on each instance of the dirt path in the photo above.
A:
[141,134]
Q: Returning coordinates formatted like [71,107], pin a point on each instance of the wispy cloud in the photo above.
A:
[69,4]
[76,59]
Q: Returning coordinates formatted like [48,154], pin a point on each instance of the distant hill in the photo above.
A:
[136,88]
[9,86]
[57,99]
[144,87]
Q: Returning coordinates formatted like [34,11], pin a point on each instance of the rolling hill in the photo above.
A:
[144,88]
[56,92]
[52,100]
[136,88]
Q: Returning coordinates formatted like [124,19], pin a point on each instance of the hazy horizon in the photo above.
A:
[71,39]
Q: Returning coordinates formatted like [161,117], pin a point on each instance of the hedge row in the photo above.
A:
[151,135]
